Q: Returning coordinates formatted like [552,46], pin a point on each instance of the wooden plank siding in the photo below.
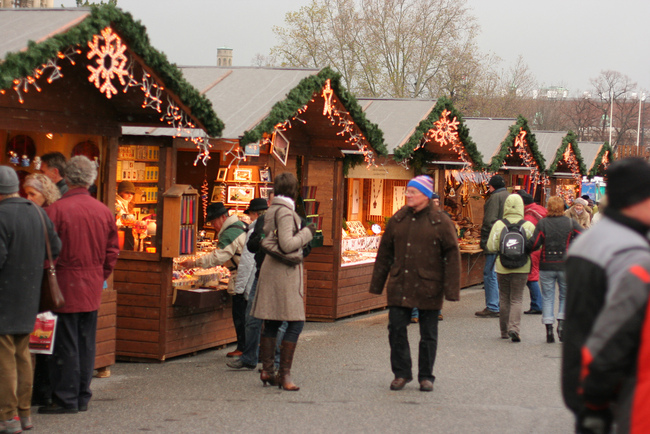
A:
[149,327]
[106,330]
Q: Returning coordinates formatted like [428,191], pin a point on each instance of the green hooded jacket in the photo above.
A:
[513,211]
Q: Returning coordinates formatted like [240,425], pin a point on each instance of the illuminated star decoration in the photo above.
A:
[110,62]
[327,96]
[569,157]
[343,119]
[527,158]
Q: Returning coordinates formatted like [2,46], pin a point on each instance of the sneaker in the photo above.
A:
[11,426]
[26,423]
[487,313]
[238,364]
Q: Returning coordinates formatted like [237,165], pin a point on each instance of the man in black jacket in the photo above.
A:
[606,356]
[492,211]
[22,255]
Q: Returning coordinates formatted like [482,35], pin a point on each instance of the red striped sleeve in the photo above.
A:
[640,417]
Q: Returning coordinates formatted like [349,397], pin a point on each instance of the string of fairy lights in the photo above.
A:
[111,64]
[337,118]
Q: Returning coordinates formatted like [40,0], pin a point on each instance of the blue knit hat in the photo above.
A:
[423,183]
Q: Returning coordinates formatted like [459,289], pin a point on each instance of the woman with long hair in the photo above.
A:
[280,291]
[553,235]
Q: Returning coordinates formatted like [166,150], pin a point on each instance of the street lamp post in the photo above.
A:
[638,128]
[611,116]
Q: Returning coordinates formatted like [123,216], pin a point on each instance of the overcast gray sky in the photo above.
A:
[564,42]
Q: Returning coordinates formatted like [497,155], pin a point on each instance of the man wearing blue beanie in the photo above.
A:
[419,250]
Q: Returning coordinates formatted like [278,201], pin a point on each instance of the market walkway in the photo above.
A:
[484,385]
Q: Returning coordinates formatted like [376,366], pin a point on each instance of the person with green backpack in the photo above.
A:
[508,240]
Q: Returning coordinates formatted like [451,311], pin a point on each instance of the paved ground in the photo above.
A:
[484,385]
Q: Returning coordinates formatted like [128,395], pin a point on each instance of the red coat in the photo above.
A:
[534,213]
[89,248]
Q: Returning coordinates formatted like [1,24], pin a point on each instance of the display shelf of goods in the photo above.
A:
[469,234]
[199,287]
[180,216]
[357,247]
[139,164]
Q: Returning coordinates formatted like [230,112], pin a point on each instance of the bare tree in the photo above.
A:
[389,48]
[612,86]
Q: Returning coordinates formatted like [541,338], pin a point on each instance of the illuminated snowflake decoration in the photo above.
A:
[110,63]
[445,132]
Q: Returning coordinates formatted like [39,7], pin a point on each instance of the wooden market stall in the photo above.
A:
[303,123]
[596,156]
[90,72]
[510,150]
[565,167]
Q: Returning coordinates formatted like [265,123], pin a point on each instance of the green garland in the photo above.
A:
[22,64]
[594,171]
[569,139]
[497,160]
[407,150]
[300,95]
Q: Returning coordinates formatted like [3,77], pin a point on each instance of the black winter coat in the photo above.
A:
[22,256]
[553,235]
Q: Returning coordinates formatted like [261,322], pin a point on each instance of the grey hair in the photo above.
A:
[80,172]
[45,186]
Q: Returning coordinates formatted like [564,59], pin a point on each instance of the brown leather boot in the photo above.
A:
[287,349]
[267,354]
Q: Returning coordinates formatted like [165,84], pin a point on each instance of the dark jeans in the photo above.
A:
[239,319]
[400,352]
[251,351]
[294,329]
[71,366]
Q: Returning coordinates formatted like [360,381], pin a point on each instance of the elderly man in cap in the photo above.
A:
[606,359]
[88,255]
[247,284]
[419,250]
[492,211]
[22,254]
[231,233]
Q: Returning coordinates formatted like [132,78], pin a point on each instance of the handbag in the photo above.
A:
[271,246]
[51,296]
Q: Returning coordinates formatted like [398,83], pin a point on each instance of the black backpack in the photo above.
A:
[512,245]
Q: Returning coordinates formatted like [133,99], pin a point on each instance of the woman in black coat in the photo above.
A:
[553,235]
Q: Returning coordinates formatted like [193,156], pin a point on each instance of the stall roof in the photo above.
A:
[244,95]
[592,155]
[548,142]
[397,118]
[488,134]
[29,38]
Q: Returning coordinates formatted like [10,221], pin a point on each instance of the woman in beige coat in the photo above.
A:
[280,290]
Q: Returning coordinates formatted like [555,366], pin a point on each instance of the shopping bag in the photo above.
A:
[41,340]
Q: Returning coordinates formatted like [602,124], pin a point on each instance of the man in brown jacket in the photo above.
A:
[420,251]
